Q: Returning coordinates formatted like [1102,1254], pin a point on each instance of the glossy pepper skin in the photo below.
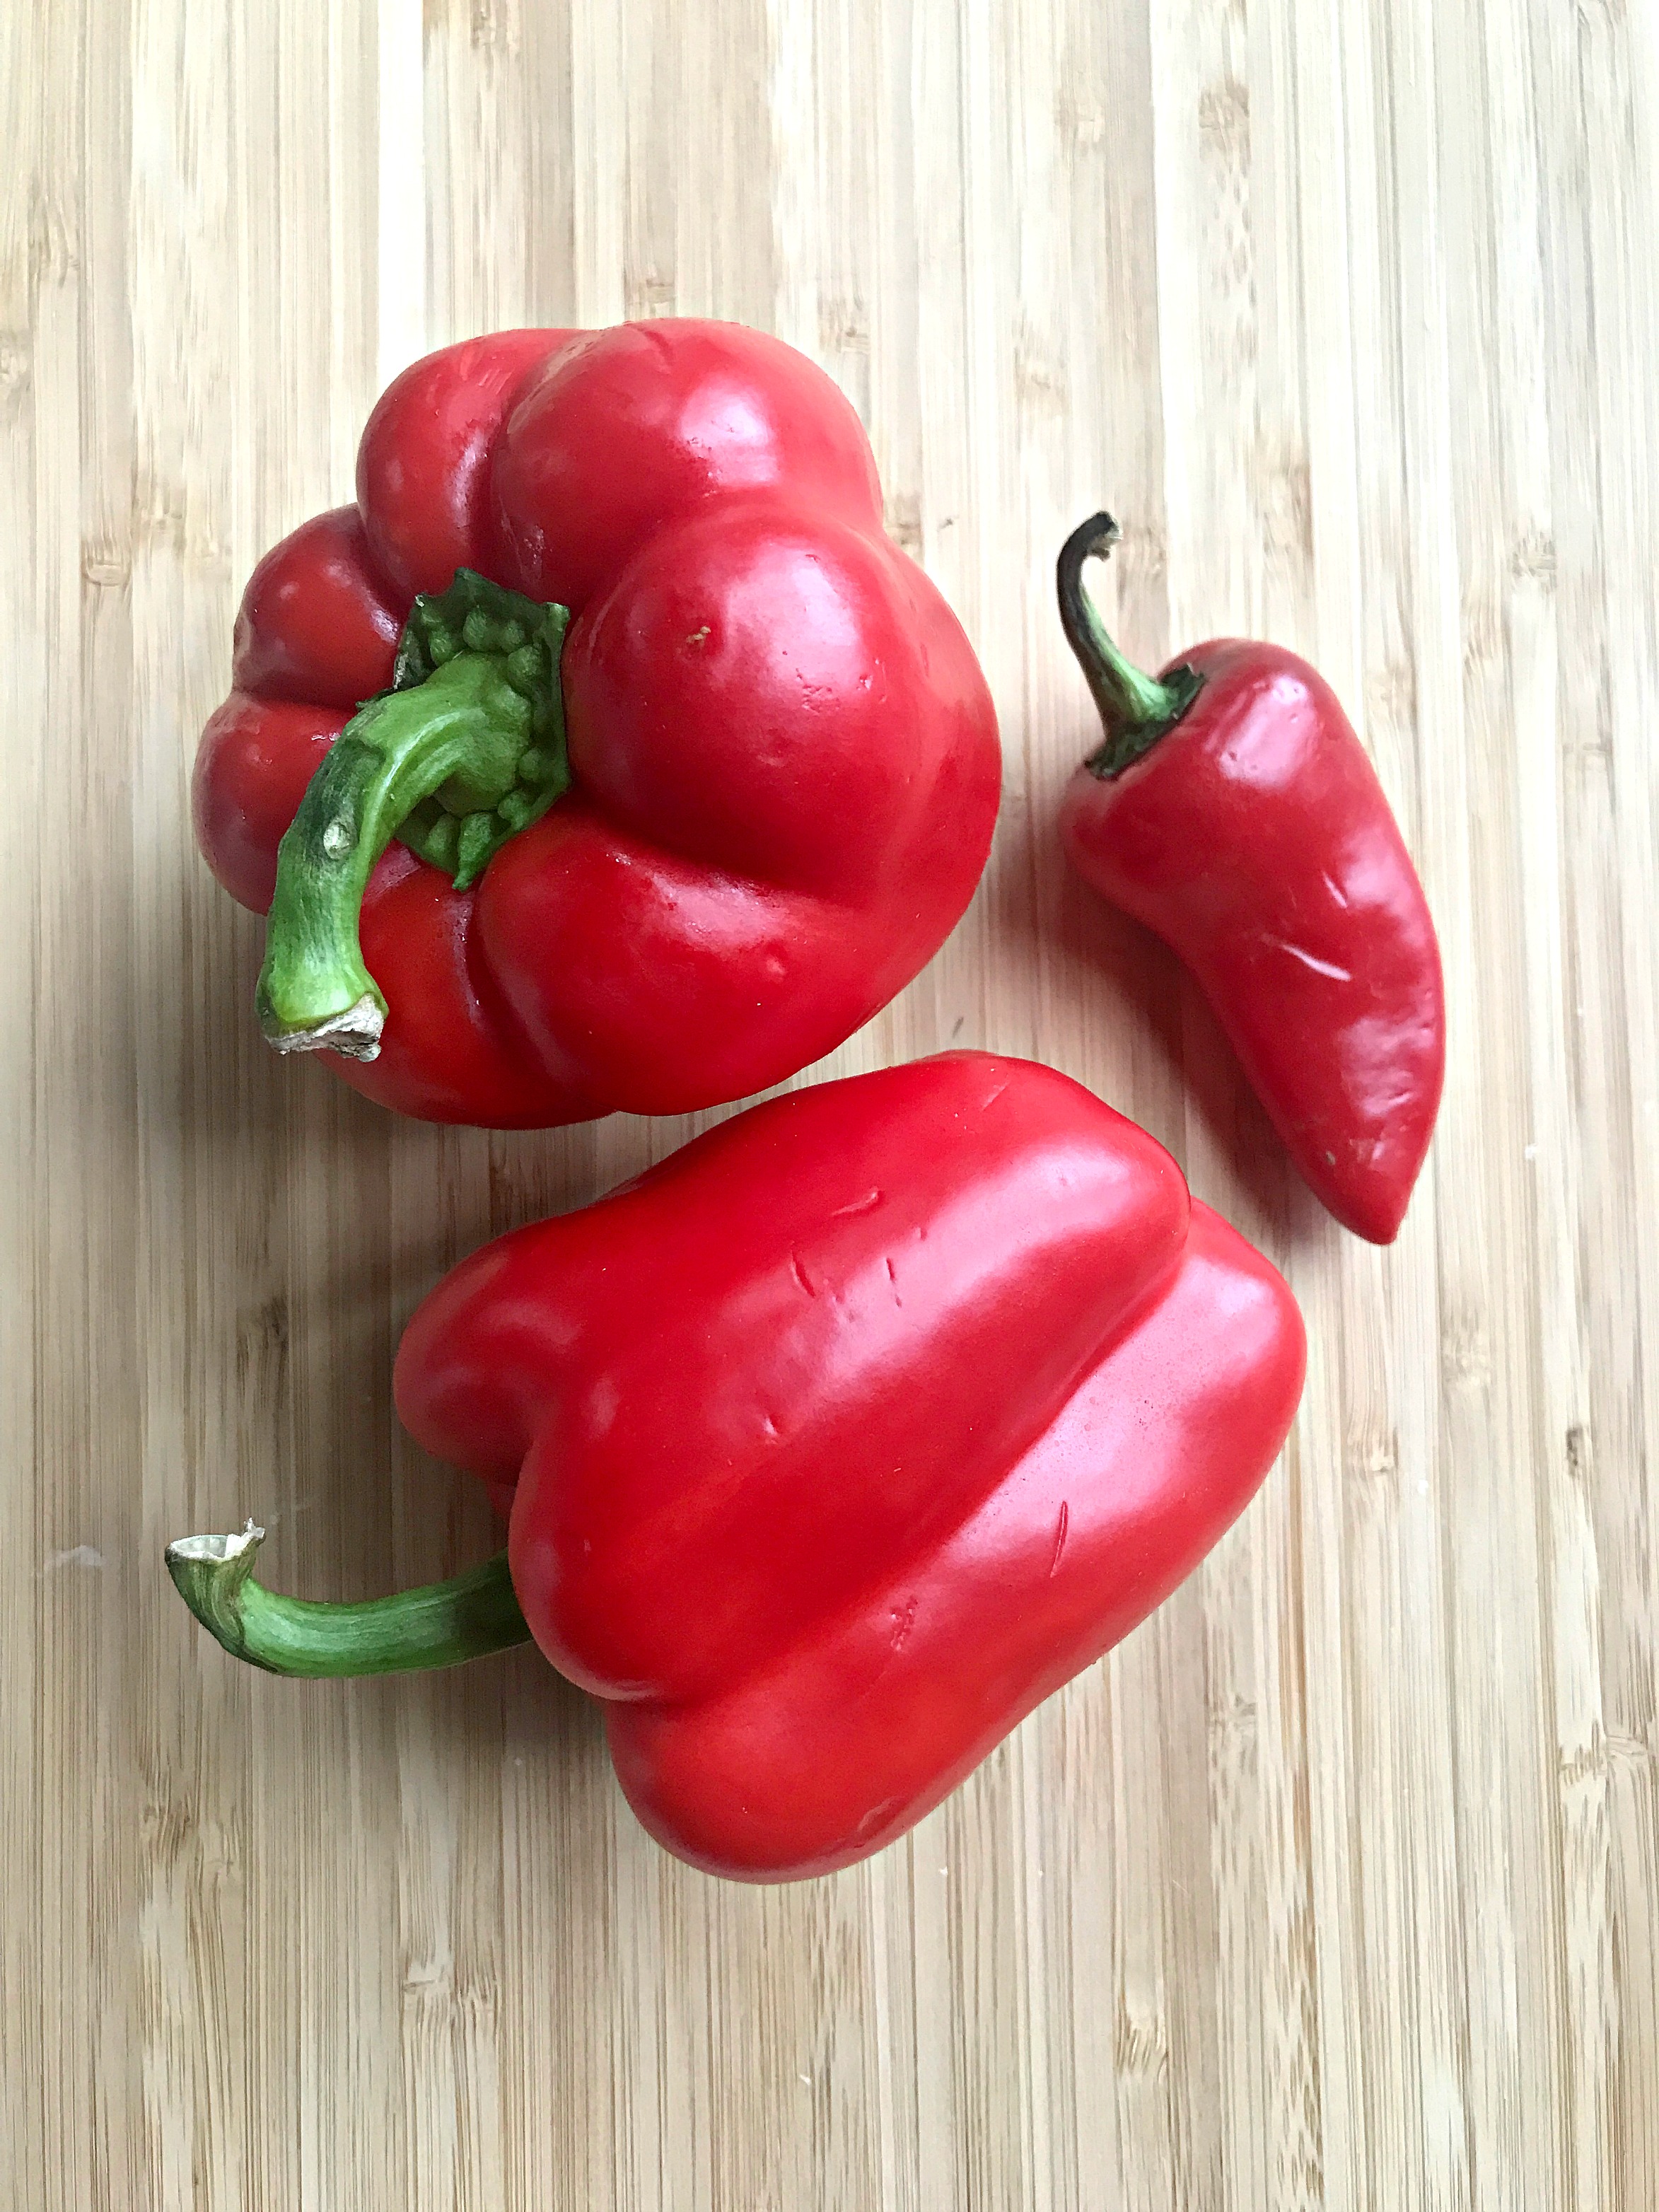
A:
[1232,809]
[834,1445]
[727,754]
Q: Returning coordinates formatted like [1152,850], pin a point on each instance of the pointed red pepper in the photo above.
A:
[607,754]
[831,1446]
[1232,809]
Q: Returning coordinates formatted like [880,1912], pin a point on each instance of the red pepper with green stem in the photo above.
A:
[606,754]
[829,1448]
[1231,808]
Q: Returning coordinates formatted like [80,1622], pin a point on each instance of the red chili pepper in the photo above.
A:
[691,768]
[831,1447]
[1232,809]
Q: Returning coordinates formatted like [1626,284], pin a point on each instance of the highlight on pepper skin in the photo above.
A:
[828,1447]
[606,755]
[1231,807]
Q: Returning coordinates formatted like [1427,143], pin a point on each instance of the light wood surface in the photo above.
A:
[1337,1884]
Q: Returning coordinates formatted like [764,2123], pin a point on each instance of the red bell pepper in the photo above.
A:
[831,1447]
[1232,809]
[690,769]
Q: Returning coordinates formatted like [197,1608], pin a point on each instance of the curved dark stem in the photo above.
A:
[1136,709]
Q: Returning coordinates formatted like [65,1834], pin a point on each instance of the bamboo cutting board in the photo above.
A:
[1336,1885]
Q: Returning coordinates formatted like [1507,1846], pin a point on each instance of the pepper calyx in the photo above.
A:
[465,749]
[476,616]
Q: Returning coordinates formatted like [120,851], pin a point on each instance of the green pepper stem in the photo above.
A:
[1137,709]
[439,1624]
[314,990]
[466,749]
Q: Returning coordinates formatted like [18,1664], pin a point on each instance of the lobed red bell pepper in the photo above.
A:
[606,754]
[831,1447]
[1232,809]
